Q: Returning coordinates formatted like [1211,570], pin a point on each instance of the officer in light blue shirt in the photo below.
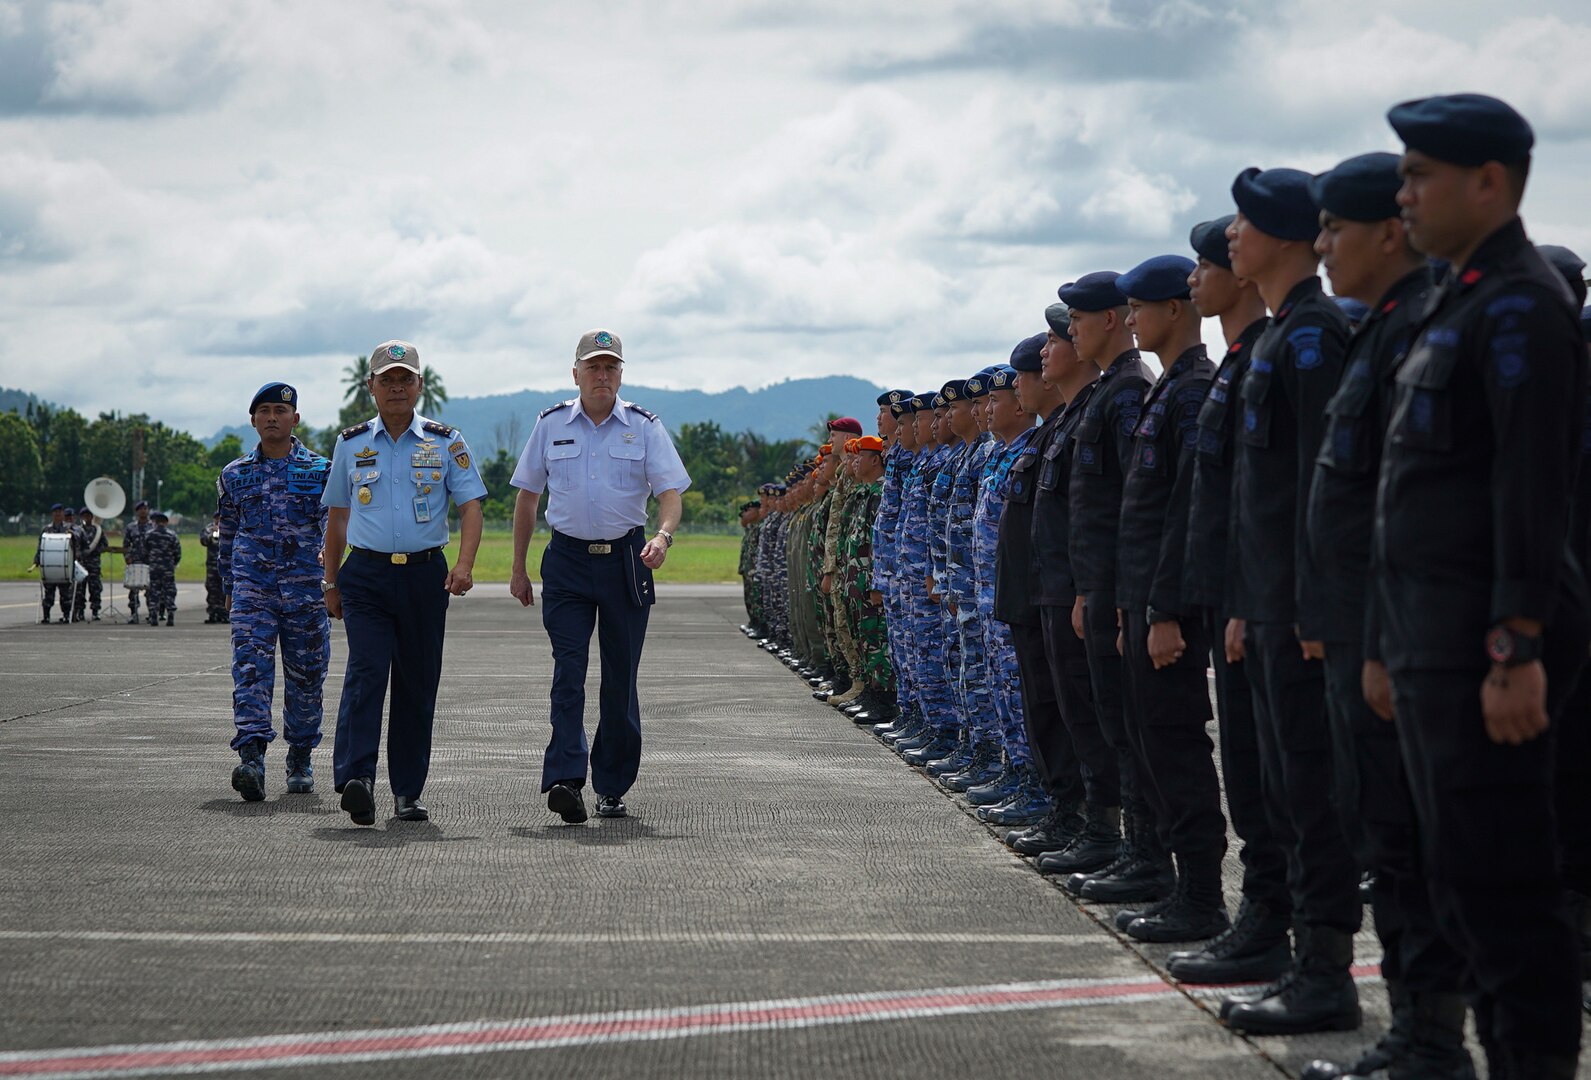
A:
[601,458]
[388,491]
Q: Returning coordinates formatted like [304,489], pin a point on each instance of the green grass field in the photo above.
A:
[693,560]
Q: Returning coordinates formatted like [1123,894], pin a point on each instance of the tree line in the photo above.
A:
[48,455]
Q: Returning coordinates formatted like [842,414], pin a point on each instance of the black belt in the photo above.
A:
[399,558]
[592,547]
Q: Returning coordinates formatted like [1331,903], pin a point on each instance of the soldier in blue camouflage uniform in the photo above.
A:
[94,544]
[214,592]
[888,576]
[132,551]
[163,550]
[1013,428]
[273,527]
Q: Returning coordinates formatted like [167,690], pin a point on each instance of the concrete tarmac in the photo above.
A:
[786,898]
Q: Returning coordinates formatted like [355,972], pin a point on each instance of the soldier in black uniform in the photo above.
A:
[1256,947]
[1099,843]
[1366,253]
[1015,602]
[1478,610]
[1166,654]
[1294,371]
[1100,458]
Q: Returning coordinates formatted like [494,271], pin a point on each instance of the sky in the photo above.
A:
[198,198]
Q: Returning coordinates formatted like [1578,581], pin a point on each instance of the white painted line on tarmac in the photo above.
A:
[245,937]
[581,1029]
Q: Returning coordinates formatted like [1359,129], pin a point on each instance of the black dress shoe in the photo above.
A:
[611,806]
[409,808]
[567,803]
[359,800]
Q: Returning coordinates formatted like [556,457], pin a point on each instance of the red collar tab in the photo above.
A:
[1388,306]
[1282,312]
[1471,276]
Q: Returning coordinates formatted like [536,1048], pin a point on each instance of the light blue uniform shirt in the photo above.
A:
[396,474]
[600,475]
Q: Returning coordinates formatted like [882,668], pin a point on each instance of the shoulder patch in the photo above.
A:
[436,427]
[636,408]
[1305,342]
[554,408]
[357,429]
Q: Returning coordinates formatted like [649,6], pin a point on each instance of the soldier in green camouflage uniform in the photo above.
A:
[864,608]
[750,524]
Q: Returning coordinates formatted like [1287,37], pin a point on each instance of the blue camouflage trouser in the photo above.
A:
[948,656]
[977,702]
[262,616]
[1005,683]
[899,655]
[929,678]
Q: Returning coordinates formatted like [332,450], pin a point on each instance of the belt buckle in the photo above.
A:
[400,558]
[599,549]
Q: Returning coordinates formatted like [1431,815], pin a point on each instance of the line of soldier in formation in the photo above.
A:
[146,541]
[1370,518]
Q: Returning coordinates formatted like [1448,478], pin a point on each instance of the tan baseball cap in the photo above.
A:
[599,343]
[391,354]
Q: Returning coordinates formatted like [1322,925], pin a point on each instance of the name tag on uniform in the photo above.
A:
[563,442]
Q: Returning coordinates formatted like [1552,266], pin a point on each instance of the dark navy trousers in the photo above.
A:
[395,616]
[611,593]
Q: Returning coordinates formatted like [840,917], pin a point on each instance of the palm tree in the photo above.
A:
[433,395]
[356,380]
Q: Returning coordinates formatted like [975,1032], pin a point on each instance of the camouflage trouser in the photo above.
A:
[873,646]
[214,594]
[88,594]
[162,590]
[262,616]
[978,709]
[844,635]
[925,660]
[895,623]
[948,650]
[1005,684]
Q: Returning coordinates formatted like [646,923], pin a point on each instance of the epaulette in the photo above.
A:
[554,408]
[357,429]
[643,412]
[436,427]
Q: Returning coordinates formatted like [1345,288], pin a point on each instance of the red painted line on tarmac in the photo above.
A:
[480,1037]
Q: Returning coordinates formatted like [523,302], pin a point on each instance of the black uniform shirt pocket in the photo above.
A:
[1023,477]
[1147,457]
[1090,453]
[1423,414]
[1050,467]
[1345,446]
[1254,420]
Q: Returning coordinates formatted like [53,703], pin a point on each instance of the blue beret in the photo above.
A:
[1208,240]
[979,386]
[159,515]
[56,506]
[1585,321]
[1463,129]
[939,401]
[1093,292]
[1164,277]
[140,505]
[1059,316]
[69,511]
[274,392]
[1357,311]
[1004,378]
[85,511]
[893,397]
[921,402]
[1277,202]
[1025,357]
[1570,265]
[953,390]
[1363,188]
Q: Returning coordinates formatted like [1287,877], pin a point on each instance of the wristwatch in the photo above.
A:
[327,586]
[668,537]
[1510,648]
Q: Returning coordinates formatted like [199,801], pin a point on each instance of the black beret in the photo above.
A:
[1463,129]
[1277,202]
[953,390]
[1025,357]
[1059,316]
[140,505]
[56,506]
[1093,292]
[274,392]
[1363,188]
[1164,277]
[1208,240]
[1570,265]
[158,515]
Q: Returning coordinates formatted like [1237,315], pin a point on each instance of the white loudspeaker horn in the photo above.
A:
[104,497]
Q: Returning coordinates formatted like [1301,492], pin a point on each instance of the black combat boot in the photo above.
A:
[1028,804]
[1146,877]
[1096,847]
[1254,949]
[248,777]
[1056,832]
[1320,997]
[300,773]
[1196,911]
[1389,1048]
[957,759]
[986,764]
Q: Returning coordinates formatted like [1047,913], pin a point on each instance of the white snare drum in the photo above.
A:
[137,576]
[55,558]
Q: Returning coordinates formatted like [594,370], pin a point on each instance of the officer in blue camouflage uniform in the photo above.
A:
[889,576]
[163,549]
[1011,429]
[268,559]
[134,534]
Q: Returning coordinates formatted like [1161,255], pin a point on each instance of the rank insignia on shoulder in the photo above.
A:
[357,429]
[636,408]
[436,428]
[554,408]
